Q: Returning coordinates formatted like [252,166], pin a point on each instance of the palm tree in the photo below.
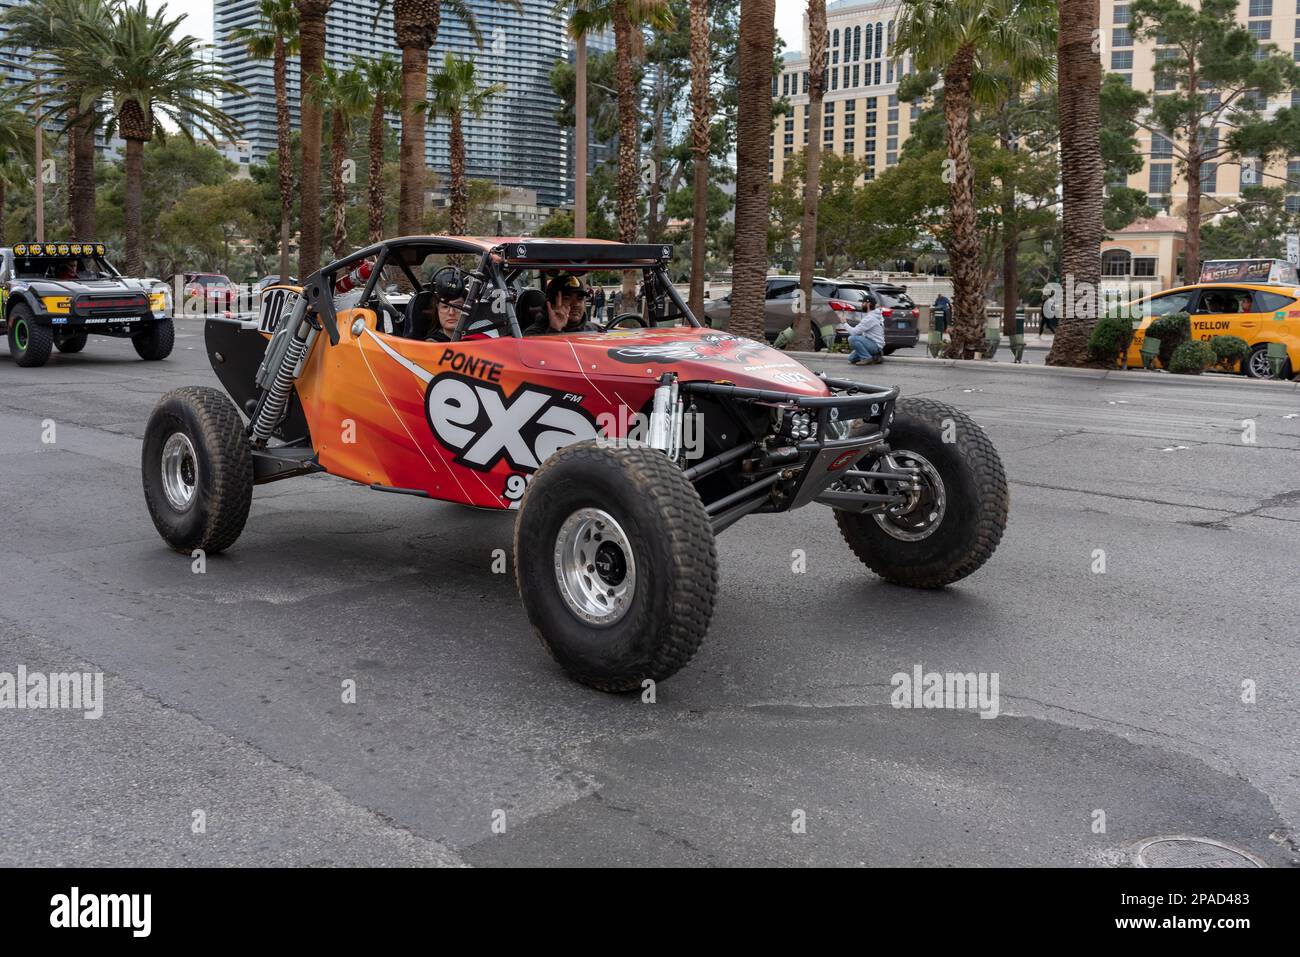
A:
[976,45]
[15,147]
[383,79]
[753,131]
[311,56]
[627,17]
[150,75]
[346,95]
[47,26]
[812,170]
[276,38]
[415,25]
[1083,174]
[701,122]
[455,93]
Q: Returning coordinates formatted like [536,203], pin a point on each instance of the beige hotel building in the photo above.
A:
[861,113]
[863,117]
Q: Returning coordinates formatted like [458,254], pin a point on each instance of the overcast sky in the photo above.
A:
[789,18]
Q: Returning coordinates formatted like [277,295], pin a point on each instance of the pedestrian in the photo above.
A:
[616,303]
[1047,316]
[598,303]
[866,333]
[942,312]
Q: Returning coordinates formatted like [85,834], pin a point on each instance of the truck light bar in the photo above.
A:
[59,249]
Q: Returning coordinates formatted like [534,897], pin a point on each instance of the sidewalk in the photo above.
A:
[995,365]
[1032,340]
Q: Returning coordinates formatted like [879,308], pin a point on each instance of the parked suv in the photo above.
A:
[902,316]
[831,299]
[779,307]
[216,291]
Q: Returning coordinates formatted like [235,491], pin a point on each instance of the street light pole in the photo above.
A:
[39,163]
[580,138]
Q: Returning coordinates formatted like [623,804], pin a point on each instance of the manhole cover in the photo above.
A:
[1179,850]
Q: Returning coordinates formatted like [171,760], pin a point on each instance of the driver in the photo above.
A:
[444,307]
[566,300]
[66,269]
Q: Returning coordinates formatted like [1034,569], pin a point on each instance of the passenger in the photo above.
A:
[565,302]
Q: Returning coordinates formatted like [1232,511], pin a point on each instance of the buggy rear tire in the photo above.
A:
[197,470]
[956,522]
[70,344]
[615,563]
[156,341]
[29,341]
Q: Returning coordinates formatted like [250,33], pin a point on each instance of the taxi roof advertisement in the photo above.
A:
[1248,270]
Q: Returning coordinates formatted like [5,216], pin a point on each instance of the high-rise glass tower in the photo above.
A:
[13,62]
[516,142]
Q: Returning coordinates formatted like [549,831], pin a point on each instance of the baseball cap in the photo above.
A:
[564,284]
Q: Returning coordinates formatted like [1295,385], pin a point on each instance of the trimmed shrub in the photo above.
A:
[1110,339]
[1229,351]
[1192,358]
[1172,331]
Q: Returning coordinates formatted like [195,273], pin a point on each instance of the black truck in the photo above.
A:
[55,295]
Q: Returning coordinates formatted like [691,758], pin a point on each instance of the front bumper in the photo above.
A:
[125,325]
[853,419]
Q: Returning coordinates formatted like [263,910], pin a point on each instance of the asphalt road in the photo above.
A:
[1121,692]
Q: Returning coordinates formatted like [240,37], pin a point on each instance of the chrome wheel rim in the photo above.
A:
[923,512]
[594,567]
[1259,367]
[179,471]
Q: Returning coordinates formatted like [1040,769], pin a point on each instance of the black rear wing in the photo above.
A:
[605,255]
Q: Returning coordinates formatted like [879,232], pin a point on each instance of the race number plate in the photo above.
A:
[277,302]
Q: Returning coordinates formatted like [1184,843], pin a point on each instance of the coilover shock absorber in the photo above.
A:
[281,365]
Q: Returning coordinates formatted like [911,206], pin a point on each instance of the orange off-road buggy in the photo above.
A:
[625,449]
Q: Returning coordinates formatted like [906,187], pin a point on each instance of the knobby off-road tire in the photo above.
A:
[71,344]
[197,470]
[29,342]
[157,341]
[974,510]
[615,563]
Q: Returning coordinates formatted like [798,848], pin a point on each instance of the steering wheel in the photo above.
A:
[627,317]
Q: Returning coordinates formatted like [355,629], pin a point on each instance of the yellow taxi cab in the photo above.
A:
[1257,300]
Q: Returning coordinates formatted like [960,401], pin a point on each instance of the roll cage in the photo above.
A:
[496,277]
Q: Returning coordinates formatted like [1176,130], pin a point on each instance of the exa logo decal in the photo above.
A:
[482,425]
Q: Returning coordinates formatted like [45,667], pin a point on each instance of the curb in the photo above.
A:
[1211,379]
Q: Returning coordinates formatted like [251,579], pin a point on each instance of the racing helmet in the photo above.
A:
[450,285]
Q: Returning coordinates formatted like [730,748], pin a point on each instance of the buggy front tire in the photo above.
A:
[197,470]
[953,524]
[616,565]
[29,341]
[156,341]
